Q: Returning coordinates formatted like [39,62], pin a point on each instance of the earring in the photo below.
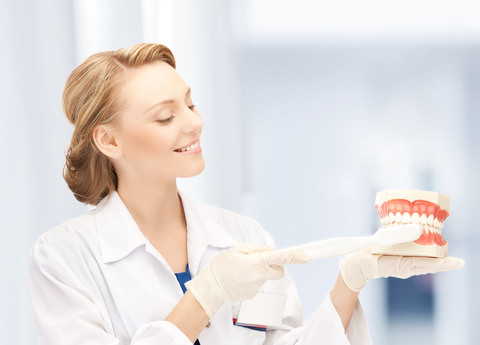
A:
[116,154]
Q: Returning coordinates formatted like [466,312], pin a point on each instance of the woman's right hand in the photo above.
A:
[238,274]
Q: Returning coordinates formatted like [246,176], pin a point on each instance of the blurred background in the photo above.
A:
[310,108]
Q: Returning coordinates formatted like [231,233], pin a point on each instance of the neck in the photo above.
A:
[153,207]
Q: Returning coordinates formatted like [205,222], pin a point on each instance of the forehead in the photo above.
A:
[152,83]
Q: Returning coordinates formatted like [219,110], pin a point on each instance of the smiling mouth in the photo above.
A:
[191,147]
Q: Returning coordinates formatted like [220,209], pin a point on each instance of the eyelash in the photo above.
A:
[166,120]
[192,107]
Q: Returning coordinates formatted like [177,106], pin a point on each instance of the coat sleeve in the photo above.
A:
[68,310]
[325,324]
[324,327]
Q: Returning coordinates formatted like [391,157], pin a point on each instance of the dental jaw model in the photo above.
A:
[429,209]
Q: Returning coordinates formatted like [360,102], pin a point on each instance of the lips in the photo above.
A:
[193,145]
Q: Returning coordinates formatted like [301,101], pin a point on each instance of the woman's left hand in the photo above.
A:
[358,268]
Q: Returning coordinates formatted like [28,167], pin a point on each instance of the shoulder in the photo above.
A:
[65,261]
[68,239]
[240,227]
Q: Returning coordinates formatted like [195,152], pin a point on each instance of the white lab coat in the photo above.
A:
[97,280]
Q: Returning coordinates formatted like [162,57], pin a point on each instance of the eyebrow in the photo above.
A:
[167,101]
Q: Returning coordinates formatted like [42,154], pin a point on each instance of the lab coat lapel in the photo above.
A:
[133,278]
[205,236]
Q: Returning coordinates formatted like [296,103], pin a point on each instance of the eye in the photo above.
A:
[192,107]
[166,120]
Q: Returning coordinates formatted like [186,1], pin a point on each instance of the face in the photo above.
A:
[158,129]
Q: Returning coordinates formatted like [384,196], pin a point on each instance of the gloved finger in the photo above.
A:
[407,266]
[424,265]
[275,272]
[247,248]
[283,257]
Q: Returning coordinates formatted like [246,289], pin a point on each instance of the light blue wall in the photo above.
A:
[327,126]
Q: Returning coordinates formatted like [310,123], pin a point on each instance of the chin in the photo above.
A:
[193,171]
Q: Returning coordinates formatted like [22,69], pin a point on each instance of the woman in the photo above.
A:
[121,273]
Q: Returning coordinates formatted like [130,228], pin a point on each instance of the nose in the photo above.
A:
[192,121]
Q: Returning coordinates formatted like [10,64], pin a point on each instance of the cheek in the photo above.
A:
[149,141]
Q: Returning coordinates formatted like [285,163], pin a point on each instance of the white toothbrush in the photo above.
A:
[344,245]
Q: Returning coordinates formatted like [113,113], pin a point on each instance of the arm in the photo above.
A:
[326,325]
[339,311]
[189,316]
[344,300]
[70,311]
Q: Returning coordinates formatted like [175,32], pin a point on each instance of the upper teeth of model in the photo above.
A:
[429,222]
[191,147]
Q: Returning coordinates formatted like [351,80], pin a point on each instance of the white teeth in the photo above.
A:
[415,218]
[398,217]
[430,219]
[430,223]
[191,147]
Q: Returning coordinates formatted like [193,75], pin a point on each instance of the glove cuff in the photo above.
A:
[206,291]
[354,280]
[358,268]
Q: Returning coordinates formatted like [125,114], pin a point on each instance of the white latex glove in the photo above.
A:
[238,274]
[359,267]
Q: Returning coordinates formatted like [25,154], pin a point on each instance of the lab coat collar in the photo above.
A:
[119,234]
[204,230]
[202,222]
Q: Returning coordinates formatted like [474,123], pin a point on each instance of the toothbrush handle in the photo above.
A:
[332,247]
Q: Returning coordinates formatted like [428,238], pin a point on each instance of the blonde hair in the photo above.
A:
[89,101]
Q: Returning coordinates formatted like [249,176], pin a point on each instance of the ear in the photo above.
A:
[105,141]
